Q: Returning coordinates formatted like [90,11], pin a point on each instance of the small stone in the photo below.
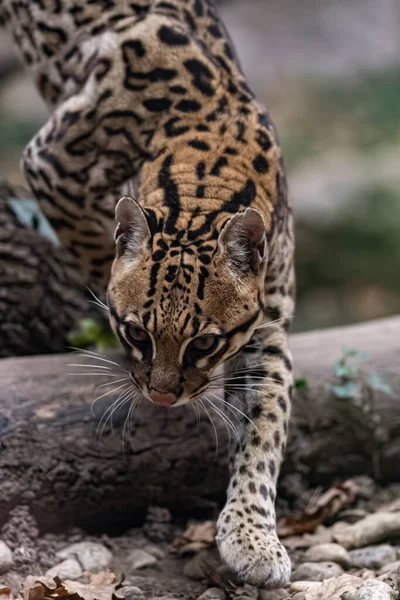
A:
[227,576]
[366,574]
[375,590]
[6,559]
[392,566]
[91,556]
[67,569]
[328,553]
[372,557]
[279,594]
[194,568]
[139,559]
[154,551]
[316,571]
[246,592]
[164,598]
[213,594]
[132,592]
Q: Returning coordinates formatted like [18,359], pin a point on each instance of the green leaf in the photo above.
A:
[378,383]
[107,341]
[348,390]
[90,333]
[300,383]
[346,370]
[90,328]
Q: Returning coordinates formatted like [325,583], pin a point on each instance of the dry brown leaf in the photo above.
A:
[324,507]
[197,536]
[332,588]
[6,593]
[102,586]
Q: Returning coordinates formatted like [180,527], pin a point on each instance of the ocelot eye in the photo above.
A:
[137,335]
[204,344]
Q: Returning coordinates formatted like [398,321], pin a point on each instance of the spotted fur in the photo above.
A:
[151,91]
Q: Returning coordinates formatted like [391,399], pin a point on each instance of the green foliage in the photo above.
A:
[92,334]
[348,389]
[16,133]
[348,384]
[300,383]
[359,113]
[361,246]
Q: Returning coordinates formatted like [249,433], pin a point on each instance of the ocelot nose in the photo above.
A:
[162,399]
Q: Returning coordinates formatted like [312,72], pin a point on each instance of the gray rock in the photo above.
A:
[392,566]
[91,556]
[67,569]
[245,590]
[328,553]
[164,598]
[6,559]
[139,559]
[132,592]
[154,551]
[317,571]
[280,594]
[366,574]
[372,557]
[212,594]
[194,568]
[375,590]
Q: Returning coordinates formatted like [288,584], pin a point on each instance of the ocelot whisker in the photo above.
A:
[238,389]
[94,374]
[81,365]
[269,323]
[91,354]
[256,378]
[214,409]
[226,419]
[113,391]
[127,423]
[240,371]
[231,406]
[196,410]
[97,300]
[212,423]
[110,410]
[112,382]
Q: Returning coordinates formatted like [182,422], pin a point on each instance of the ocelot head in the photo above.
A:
[180,308]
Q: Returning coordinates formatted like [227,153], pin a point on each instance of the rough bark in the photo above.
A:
[41,290]
[50,458]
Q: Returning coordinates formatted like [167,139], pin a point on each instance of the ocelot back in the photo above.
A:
[202,264]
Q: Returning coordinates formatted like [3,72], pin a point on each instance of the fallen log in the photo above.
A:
[51,460]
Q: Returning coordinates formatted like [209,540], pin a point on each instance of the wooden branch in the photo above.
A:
[51,460]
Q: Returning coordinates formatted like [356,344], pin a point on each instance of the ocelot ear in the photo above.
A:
[132,231]
[243,241]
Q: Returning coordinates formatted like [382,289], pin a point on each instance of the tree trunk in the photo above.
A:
[51,460]
[41,289]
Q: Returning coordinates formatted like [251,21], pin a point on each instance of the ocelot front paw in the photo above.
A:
[256,556]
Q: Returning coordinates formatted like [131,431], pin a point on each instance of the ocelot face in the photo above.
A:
[181,310]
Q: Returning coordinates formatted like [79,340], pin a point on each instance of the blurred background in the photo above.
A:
[329,73]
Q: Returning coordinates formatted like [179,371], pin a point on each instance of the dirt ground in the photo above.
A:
[166,560]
